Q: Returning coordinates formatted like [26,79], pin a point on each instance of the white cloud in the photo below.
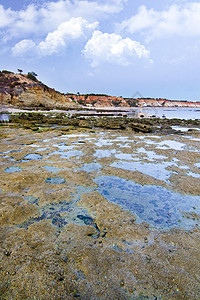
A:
[70,30]
[23,47]
[113,48]
[46,18]
[6,17]
[75,28]
[179,20]
[21,23]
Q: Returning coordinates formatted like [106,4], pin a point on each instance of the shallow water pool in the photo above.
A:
[12,169]
[32,156]
[156,205]
[55,180]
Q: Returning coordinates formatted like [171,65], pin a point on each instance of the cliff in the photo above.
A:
[20,90]
[110,101]
[26,91]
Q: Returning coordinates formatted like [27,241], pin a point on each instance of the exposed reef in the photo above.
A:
[37,121]
[91,213]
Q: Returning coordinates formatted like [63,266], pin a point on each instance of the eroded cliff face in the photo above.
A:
[109,101]
[166,103]
[19,90]
[104,101]
[36,96]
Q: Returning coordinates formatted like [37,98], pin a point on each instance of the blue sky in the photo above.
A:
[114,47]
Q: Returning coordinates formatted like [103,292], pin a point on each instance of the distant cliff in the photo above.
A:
[110,101]
[20,90]
[26,91]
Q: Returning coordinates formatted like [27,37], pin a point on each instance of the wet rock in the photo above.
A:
[94,235]
[8,252]
[148,257]
[137,127]
[103,233]
[86,220]
[122,282]
[85,124]
[193,130]
[166,129]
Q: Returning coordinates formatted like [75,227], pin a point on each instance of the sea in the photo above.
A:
[169,113]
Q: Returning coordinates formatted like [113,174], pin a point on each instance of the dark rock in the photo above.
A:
[7,252]
[86,220]
[122,282]
[137,127]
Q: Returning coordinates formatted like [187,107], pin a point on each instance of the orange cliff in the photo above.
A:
[93,100]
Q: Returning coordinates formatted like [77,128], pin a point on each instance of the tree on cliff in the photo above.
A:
[20,71]
[32,75]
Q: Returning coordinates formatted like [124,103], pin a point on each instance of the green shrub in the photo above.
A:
[31,76]
[7,72]
[116,102]
[132,102]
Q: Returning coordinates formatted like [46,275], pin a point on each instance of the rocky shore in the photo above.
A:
[38,121]
[99,208]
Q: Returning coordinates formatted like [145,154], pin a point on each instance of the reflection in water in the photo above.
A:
[155,205]
[55,180]
[52,169]
[32,156]
[4,117]
[169,113]
[171,144]
[104,153]
[67,154]
[157,170]
[151,154]
[63,212]
[13,169]
[91,167]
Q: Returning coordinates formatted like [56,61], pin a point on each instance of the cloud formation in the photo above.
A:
[7,17]
[179,20]
[70,30]
[47,17]
[57,40]
[112,48]
[22,47]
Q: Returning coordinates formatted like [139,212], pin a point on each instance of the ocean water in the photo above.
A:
[169,113]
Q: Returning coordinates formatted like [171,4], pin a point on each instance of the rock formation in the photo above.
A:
[19,90]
